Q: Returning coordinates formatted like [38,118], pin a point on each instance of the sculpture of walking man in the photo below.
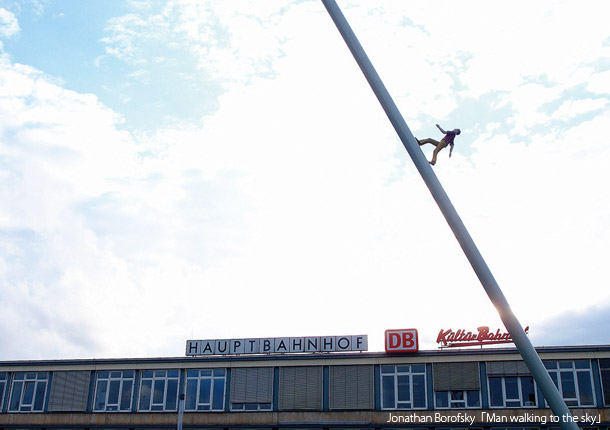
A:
[446,140]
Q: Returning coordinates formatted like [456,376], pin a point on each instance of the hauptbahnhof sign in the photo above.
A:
[277,345]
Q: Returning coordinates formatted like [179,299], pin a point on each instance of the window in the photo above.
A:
[403,386]
[512,392]
[205,390]
[28,392]
[159,390]
[113,391]
[456,385]
[574,381]
[300,388]
[252,389]
[458,399]
[351,387]
[69,391]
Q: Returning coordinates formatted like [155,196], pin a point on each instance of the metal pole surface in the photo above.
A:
[522,342]
[180,412]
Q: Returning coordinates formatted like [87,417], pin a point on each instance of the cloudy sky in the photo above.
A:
[182,169]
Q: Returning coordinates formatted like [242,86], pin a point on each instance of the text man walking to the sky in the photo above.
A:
[447,140]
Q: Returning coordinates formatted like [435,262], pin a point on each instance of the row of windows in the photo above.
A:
[401,387]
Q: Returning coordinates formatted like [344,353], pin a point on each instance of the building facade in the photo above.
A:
[447,388]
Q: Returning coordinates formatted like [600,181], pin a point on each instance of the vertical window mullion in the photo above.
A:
[411,389]
[396,388]
[521,399]
[196,392]
[213,383]
[576,385]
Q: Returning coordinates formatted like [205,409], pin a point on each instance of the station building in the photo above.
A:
[476,388]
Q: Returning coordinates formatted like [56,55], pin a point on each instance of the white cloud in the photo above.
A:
[9,26]
[570,109]
[600,83]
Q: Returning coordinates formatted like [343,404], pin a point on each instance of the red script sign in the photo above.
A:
[483,336]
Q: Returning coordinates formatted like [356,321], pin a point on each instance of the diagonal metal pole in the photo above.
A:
[522,342]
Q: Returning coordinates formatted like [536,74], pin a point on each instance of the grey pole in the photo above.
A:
[180,412]
[522,342]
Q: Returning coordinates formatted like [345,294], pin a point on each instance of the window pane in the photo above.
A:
[582,364]
[568,386]
[419,391]
[404,388]
[566,365]
[389,401]
[28,393]
[512,388]
[172,395]
[219,373]
[442,399]
[159,391]
[473,398]
[495,392]
[204,390]
[16,396]
[584,388]
[145,395]
[191,394]
[418,368]
[218,398]
[527,391]
[126,395]
[113,392]
[387,369]
[41,387]
[100,395]
[457,395]
[606,385]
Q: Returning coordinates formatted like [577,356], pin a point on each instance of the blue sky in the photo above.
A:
[205,169]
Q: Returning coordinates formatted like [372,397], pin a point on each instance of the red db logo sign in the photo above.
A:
[401,340]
